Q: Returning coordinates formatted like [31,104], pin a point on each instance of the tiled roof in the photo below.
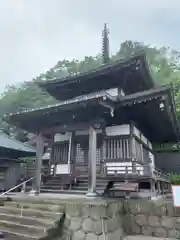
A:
[11,143]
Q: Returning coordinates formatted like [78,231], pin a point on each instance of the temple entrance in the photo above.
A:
[59,160]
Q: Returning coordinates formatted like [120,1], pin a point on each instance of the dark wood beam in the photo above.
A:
[73,155]
[39,154]
[92,163]
[73,127]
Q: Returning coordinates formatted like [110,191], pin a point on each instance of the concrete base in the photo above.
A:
[32,193]
[91,194]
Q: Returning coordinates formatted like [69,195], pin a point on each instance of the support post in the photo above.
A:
[73,155]
[39,154]
[152,185]
[159,187]
[92,163]
[69,154]
[103,153]
[132,149]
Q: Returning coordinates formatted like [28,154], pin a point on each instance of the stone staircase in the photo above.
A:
[28,221]
[80,188]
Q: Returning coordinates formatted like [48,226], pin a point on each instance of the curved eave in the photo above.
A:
[104,78]
[62,113]
[173,111]
[92,73]
[144,109]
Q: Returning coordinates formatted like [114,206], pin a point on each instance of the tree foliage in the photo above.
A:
[164,65]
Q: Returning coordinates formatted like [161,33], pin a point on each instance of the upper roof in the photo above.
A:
[131,74]
[15,145]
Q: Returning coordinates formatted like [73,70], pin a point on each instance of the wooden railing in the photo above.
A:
[118,168]
[116,148]
[159,173]
[130,169]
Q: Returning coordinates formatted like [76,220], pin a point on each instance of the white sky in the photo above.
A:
[35,34]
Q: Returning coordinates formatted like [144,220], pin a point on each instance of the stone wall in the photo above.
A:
[158,219]
[113,220]
[93,221]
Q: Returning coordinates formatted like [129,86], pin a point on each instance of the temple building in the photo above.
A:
[12,153]
[103,127]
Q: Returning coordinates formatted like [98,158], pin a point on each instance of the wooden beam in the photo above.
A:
[39,154]
[92,163]
[132,148]
[72,127]
[73,155]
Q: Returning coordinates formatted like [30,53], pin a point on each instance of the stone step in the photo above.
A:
[63,191]
[30,221]
[33,231]
[85,188]
[10,235]
[98,183]
[78,187]
[33,206]
[53,187]
[140,237]
[29,212]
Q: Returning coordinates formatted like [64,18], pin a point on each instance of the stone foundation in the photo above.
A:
[157,219]
[94,221]
[115,219]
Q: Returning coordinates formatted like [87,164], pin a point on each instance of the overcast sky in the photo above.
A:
[35,34]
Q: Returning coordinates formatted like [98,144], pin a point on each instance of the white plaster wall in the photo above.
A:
[118,130]
[58,137]
[86,132]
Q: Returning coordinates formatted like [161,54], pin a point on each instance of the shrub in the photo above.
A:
[174,178]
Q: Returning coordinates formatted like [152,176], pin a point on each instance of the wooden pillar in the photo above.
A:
[39,154]
[73,155]
[132,149]
[152,184]
[163,188]
[159,187]
[103,154]
[92,163]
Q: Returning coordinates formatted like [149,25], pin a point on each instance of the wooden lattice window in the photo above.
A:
[98,156]
[79,154]
[117,148]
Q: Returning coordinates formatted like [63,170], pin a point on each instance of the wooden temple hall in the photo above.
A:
[103,127]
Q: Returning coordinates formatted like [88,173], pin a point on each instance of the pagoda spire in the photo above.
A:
[105,45]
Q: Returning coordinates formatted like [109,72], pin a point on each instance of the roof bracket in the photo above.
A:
[108,105]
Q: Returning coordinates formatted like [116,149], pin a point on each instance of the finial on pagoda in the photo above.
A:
[105,45]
